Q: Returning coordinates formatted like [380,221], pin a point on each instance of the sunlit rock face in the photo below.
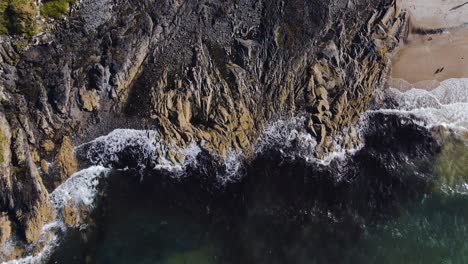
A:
[209,74]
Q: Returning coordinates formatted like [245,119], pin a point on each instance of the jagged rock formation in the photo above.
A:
[211,72]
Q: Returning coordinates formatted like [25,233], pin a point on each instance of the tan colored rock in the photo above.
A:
[388,16]
[5,153]
[323,105]
[31,208]
[245,120]
[35,220]
[321,133]
[89,99]
[48,145]
[179,157]
[309,123]
[70,214]
[243,140]
[34,155]
[318,74]
[74,214]
[5,228]
[65,159]
[322,92]
[19,145]
[183,113]
[340,103]
[44,166]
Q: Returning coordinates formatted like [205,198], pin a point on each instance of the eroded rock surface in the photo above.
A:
[210,72]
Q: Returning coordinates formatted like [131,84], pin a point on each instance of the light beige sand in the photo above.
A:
[426,59]
[437,13]
[423,56]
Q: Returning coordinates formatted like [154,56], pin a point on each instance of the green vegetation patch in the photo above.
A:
[3,19]
[18,17]
[56,8]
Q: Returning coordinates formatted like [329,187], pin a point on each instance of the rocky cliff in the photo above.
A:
[211,72]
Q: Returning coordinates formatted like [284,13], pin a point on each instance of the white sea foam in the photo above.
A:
[106,150]
[146,148]
[292,140]
[78,190]
[461,188]
[190,154]
[447,105]
[287,136]
[233,166]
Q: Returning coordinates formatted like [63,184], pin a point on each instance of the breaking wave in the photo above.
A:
[288,136]
[233,168]
[77,191]
[138,149]
[291,139]
[447,105]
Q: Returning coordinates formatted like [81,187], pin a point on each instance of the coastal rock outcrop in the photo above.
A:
[212,73]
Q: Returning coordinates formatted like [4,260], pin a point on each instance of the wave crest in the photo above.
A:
[446,105]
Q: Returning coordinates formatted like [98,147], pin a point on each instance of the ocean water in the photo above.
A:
[290,212]
[400,197]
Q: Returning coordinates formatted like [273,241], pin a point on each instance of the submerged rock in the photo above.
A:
[450,165]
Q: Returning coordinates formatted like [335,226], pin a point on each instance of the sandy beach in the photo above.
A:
[437,13]
[425,60]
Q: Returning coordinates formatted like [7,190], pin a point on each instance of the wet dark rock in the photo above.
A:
[97,77]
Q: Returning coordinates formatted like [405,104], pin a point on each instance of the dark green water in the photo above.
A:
[392,204]
[190,229]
